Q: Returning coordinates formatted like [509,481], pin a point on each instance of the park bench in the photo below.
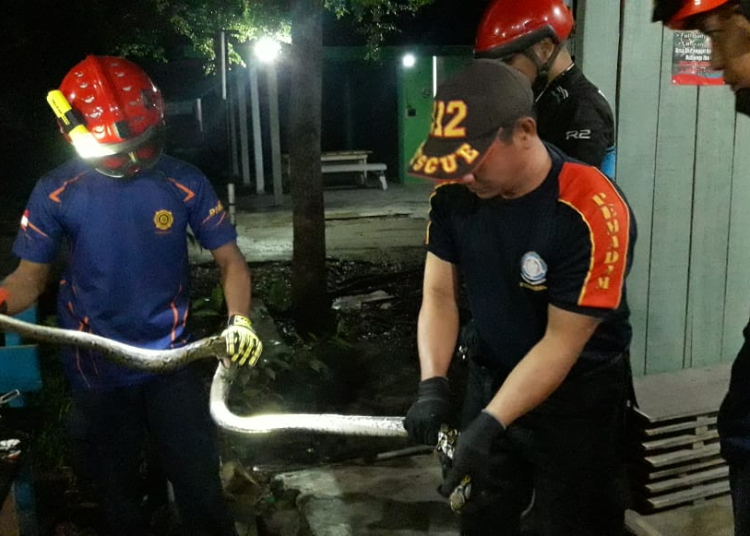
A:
[353,162]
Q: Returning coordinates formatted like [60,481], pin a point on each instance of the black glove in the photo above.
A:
[472,455]
[432,409]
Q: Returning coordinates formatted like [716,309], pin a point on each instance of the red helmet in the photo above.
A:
[122,109]
[676,14]
[511,26]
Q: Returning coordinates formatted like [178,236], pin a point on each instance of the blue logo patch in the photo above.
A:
[533,268]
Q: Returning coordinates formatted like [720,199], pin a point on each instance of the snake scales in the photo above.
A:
[162,361]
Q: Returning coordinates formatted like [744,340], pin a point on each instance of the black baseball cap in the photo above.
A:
[469,110]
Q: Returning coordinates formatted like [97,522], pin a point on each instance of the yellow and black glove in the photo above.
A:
[243,345]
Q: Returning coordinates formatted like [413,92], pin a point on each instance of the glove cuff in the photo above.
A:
[438,386]
[489,425]
[239,320]
[4,296]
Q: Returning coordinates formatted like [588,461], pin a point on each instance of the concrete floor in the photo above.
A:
[361,224]
[712,517]
[399,497]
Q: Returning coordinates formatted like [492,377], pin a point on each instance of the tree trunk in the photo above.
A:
[310,299]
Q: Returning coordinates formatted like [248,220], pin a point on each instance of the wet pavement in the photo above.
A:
[395,497]
[361,224]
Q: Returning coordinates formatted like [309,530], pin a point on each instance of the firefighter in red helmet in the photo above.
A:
[116,116]
[727,23]
[572,113]
[124,208]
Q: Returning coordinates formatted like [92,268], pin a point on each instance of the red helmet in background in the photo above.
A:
[512,26]
[121,108]
[676,14]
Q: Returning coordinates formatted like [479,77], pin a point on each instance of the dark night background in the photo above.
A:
[40,40]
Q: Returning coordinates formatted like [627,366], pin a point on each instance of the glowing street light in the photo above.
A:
[267,49]
[409,60]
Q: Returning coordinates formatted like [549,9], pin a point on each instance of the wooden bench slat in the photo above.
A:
[687,480]
[679,441]
[685,455]
[683,469]
[688,495]
[353,168]
[362,168]
[700,422]
[682,394]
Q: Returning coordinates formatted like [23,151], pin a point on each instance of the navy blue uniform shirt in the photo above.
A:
[568,243]
[127,273]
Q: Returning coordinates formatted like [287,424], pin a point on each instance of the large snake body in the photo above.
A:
[169,360]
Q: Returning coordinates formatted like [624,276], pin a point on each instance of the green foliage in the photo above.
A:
[375,18]
[277,295]
[258,388]
[51,447]
[151,26]
[161,23]
[211,306]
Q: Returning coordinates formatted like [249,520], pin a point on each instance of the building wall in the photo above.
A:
[683,161]
[414,111]
[416,97]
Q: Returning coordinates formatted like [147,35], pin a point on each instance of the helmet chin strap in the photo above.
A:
[542,69]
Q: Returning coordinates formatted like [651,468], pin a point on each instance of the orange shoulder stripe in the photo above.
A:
[189,193]
[37,230]
[605,212]
[55,196]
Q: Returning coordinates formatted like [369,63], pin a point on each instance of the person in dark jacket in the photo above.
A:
[572,113]
[727,23]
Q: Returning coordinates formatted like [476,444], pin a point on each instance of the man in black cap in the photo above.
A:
[543,245]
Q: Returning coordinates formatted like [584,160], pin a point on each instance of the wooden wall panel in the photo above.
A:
[598,43]
[689,290]
[672,208]
[684,163]
[638,102]
[710,230]
[737,303]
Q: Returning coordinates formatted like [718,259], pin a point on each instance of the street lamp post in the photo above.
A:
[260,185]
[267,50]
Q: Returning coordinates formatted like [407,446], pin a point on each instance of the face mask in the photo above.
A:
[742,101]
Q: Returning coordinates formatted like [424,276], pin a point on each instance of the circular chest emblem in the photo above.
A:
[163,219]
[533,268]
